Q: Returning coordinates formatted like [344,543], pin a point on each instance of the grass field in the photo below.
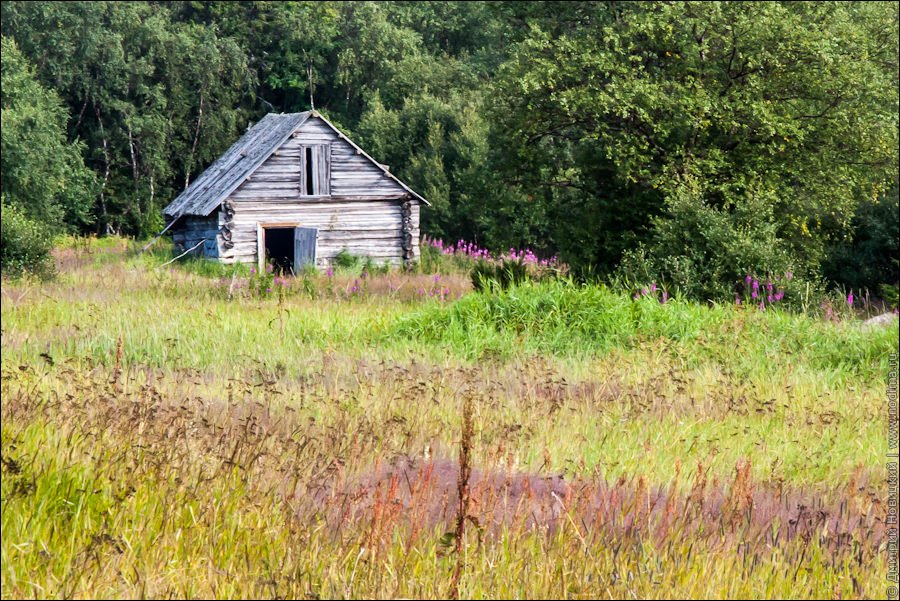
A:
[167,433]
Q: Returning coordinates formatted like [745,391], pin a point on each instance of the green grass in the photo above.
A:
[164,437]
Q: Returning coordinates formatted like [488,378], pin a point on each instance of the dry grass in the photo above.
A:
[323,460]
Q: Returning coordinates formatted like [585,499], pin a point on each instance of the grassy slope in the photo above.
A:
[579,380]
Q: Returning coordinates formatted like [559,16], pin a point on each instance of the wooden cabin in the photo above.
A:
[295,191]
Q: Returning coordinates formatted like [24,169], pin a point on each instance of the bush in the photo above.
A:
[488,276]
[345,260]
[24,245]
[870,258]
[705,252]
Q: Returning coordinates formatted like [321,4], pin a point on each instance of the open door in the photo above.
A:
[260,248]
[304,247]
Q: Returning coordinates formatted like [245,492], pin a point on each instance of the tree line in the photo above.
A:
[688,143]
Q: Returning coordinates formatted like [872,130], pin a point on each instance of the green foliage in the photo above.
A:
[570,319]
[792,104]
[345,260]
[570,128]
[869,258]
[42,174]
[703,251]
[487,276]
[153,99]
[24,245]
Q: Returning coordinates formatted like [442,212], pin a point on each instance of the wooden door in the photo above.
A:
[304,247]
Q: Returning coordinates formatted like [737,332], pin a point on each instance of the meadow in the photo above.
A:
[188,431]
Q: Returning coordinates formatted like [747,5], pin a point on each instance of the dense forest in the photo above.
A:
[684,142]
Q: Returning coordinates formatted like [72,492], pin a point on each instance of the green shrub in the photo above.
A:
[487,276]
[869,258]
[24,245]
[345,260]
[704,251]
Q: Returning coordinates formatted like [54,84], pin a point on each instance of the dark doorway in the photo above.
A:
[280,249]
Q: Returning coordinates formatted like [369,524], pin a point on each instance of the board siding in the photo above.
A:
[304,247]
[193,230]
[369,228]
[361,214]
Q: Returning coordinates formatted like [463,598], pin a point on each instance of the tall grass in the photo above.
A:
[161,437]
[562,317]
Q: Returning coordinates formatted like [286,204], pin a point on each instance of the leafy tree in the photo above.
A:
[869,258]
[154,100]
[24,244]
[793,101]
[697,140]
[42,174]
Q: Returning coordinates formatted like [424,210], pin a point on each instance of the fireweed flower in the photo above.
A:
[850,298]
[665,297]
[329,272]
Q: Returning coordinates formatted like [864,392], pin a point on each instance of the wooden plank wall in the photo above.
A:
[194,229]
[362,214]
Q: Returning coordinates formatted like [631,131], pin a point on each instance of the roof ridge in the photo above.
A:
[245,156]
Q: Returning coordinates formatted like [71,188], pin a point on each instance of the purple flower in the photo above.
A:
[737,299]
[329,272]
[762,306]
[850,298]
[747,279]
[665,297]
[653,287]
[789,275]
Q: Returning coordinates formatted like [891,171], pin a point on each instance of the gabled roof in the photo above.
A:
[384,169]
[244,157]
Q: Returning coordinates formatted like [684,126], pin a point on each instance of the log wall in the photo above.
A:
[367,212]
